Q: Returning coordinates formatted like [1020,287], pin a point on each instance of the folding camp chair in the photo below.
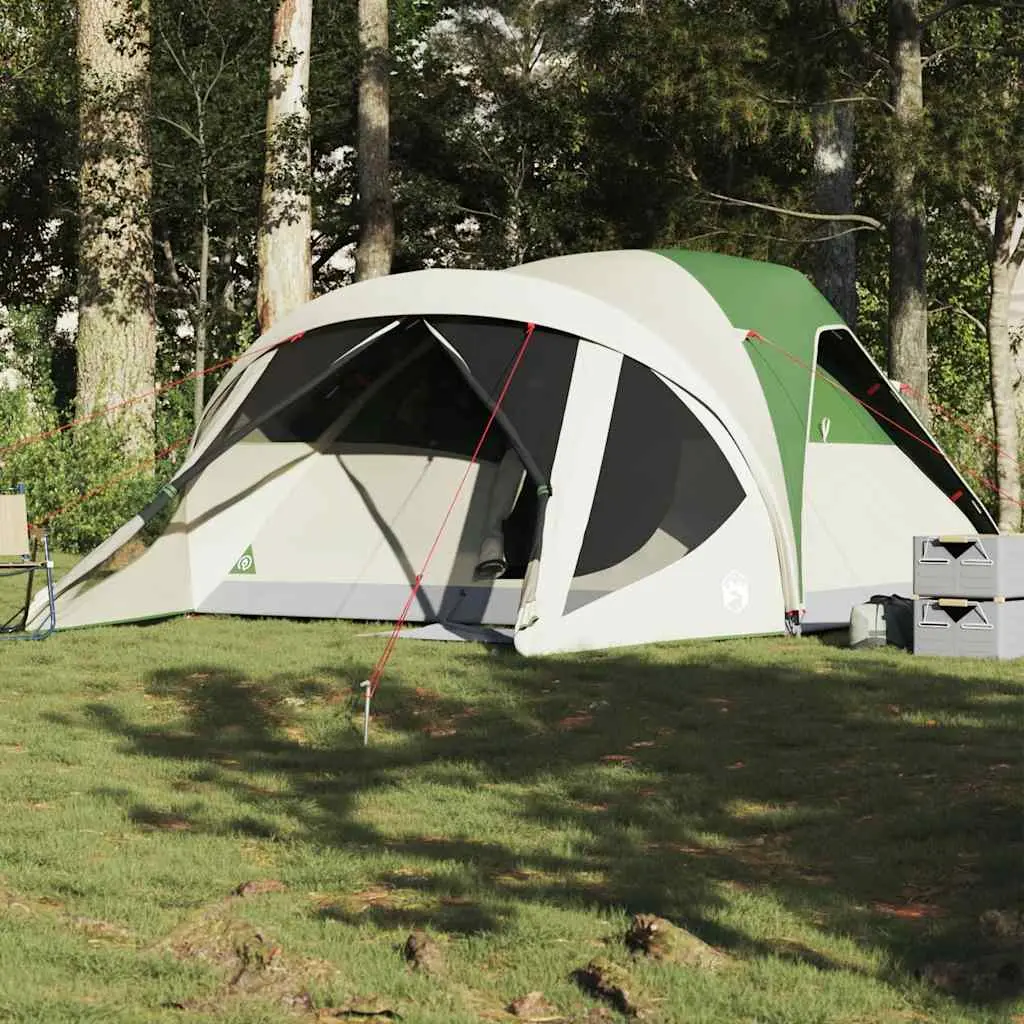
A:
[19,553]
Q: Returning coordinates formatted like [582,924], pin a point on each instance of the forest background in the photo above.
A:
[176,174]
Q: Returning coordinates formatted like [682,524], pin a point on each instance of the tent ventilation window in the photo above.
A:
[664,488]
[291,366]
[841,358]
[425,405]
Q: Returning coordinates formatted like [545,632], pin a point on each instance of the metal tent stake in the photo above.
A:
[365,687]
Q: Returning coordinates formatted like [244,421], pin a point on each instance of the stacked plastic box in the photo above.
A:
[969,596]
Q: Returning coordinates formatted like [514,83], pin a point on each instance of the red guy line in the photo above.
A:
[920,440]
[378,669]
[46,435]
[962,425]
[127,474]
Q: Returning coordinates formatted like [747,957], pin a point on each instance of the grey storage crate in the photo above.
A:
[962,628]
[976,565]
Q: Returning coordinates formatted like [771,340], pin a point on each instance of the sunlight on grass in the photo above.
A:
[835,822]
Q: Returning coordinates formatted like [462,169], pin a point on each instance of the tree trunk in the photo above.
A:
[377,226]
[205,210]
[908,297]
[204,295]
[834,135]
[835,264]
[116,343]
[1003,267]
[285,266]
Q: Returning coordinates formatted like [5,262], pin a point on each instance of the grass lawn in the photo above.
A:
[836,823]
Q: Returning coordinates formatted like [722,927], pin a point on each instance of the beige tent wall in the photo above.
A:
[349,535]
[154,586]
[863,504]
[228,504]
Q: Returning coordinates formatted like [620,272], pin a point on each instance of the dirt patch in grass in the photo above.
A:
[260,886]
[603,979]
[96,930]
[908,911]
[994,976]
[664,942]
[249,962]
[424,953]
[580,720]
[19,903]
[99,931]
[151,820]
[375,896]
[536,1008]
[367,1008]
[518,878]
[433,718]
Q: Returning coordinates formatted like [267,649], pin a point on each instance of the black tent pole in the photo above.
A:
[173,488]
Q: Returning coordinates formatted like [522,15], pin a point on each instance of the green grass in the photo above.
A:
[831,820]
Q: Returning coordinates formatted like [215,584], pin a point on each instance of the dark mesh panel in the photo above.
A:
[841,358]
[297,362]
[412,395]
[535,401]
[427,404]
[661,471]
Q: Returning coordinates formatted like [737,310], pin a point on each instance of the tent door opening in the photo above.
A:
[392,431]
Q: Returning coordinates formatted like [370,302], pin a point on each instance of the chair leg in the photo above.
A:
[50,589]
[28,584]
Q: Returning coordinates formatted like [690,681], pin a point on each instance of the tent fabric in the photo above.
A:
[806,352]
[533,405]
[749,295]
[685,450]
[703,354]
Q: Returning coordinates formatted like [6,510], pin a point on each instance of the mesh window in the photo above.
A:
[842,359]
[427,404]
[296,363]
[403,390]
[663,489]
[535,401]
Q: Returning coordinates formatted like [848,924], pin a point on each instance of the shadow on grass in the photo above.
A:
[874,797]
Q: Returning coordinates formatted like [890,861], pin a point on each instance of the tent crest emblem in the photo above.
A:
[735,592]
[246,564]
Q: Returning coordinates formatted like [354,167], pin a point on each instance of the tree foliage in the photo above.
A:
[522,129]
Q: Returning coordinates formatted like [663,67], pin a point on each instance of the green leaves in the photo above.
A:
[36,149]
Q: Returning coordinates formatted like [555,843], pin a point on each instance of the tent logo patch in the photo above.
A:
[735,592]
[246,564]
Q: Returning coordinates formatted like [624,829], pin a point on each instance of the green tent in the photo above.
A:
[690,445]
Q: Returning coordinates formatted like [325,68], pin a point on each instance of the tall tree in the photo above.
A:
[375,251]
[908,294]
[285,272]
[38,177]
[209,76]
[834,136]
[907,57]
[835,257]
[37,129]
[513,130]
[1006,254]
[117,319]
[979,115]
